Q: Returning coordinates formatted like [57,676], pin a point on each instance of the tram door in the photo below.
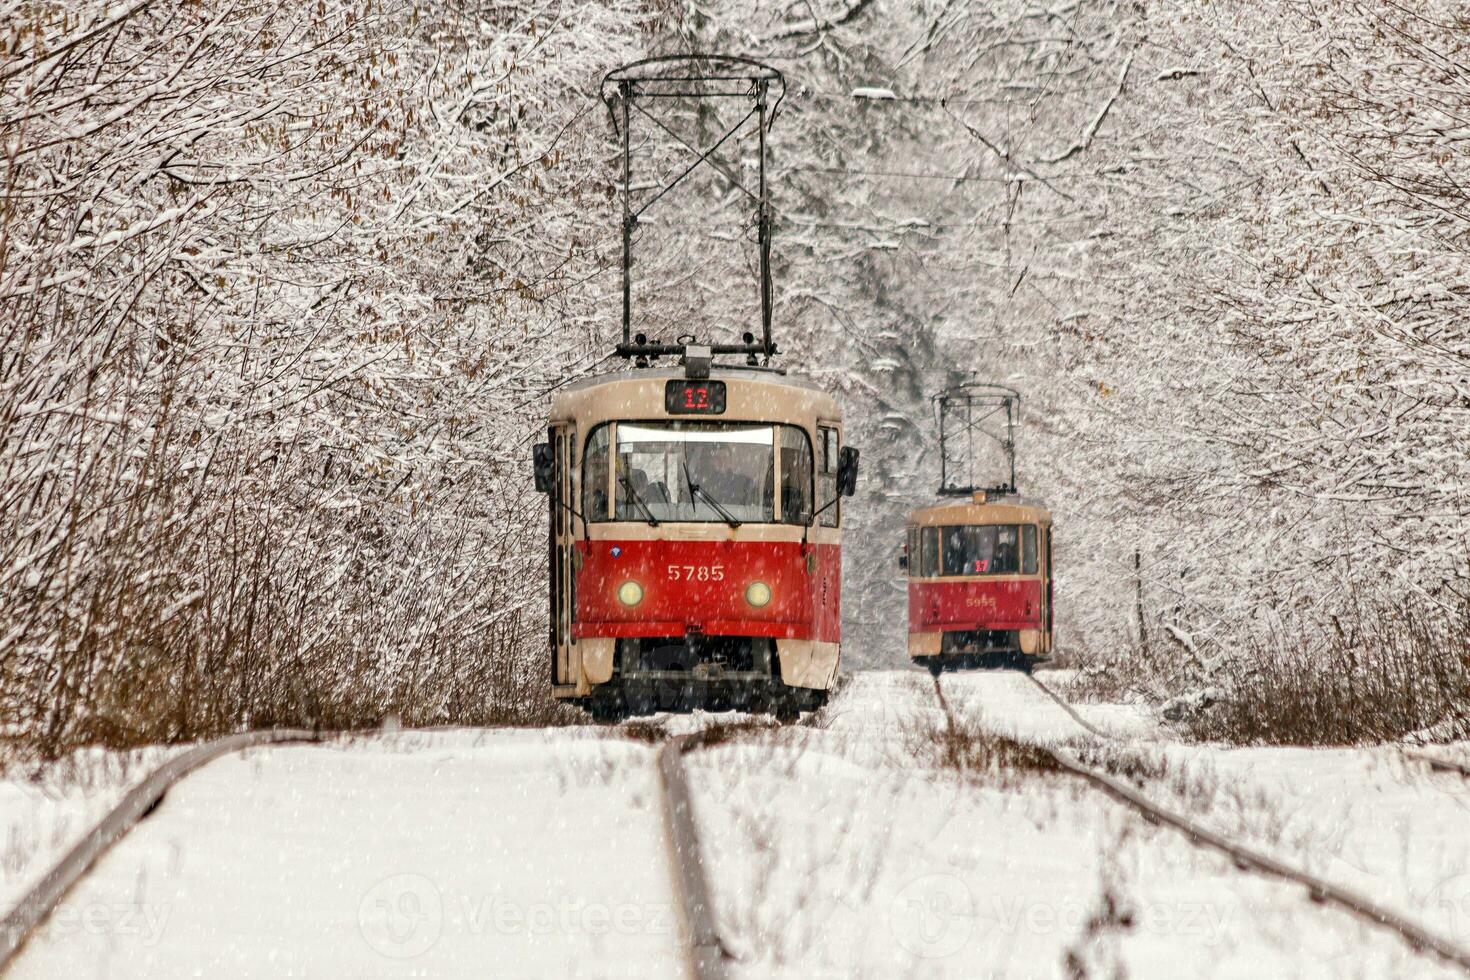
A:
[1046,595]
[563,548]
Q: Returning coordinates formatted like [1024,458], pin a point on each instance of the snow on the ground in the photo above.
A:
[1119,720]
[503,853]
[1368,818]
[882,866]
[44,812]
[1007,702]
[835,847]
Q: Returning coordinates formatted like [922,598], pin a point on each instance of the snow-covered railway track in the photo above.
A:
[33,908]
[679,896]
[707,955]
[1244,856]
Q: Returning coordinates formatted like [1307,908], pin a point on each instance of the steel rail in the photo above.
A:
[37,904]
[708,957]
[1089,726]
[1248,858]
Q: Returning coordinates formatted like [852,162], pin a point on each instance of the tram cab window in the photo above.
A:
[1028,549]
[827,456]
[698,471]
[594,476]
[796,476]
[929,552]
[985,549]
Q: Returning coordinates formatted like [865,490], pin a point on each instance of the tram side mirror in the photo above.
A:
[544,466]
[847,470]
[903,561]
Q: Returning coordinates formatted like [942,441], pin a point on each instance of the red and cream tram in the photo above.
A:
[696,526]
[979,579]
[979,567]
[696,514]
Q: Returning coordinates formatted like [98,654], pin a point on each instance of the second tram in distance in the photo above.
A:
[979,566]
[979,583]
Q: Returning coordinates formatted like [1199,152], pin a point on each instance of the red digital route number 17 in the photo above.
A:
[696,398]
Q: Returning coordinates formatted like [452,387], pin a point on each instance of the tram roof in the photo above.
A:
[722,372]
[967,510]
[646,379]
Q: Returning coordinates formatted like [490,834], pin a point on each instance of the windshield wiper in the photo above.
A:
[695,488]
[638,499]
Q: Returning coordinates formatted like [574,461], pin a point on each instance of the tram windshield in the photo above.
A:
[989,549]
[699,471]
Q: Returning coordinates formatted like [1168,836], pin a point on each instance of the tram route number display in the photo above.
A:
[694,397]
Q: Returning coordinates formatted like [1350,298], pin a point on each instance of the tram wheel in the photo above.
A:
[785,708]
[606,710]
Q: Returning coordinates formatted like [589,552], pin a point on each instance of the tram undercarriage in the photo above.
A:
[715,673]
[981,648]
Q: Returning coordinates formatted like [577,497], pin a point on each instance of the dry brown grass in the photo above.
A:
[648,732]
[965,746]
[969,748]
[1381,672]
[725,732]
[1380,677]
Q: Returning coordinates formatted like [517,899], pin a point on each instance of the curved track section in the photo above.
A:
[1068,708]
[36,905]
[707,955]
[1244,857]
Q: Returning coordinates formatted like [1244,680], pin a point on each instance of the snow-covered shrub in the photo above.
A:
[281,289]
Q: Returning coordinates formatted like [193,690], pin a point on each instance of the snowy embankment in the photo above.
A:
[842,846]
[451,853]
[43,814]
[882,865]
[1373,819]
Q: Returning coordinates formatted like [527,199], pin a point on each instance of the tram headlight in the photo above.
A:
[630,593]
[758,594]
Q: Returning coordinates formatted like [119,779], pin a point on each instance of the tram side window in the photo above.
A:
[929,552]
[796,476]
[594,475]
[1028,549]
[827,476]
